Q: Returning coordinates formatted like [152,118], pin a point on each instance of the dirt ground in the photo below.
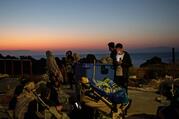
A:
[143,105]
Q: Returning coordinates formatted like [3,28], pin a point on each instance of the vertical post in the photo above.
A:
[12,67]
[21,68]
[5,66]
[173,62]
[173,55]
[30,68]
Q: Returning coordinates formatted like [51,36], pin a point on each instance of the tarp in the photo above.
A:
[115,94]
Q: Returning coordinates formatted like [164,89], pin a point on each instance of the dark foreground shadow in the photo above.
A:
[142,116]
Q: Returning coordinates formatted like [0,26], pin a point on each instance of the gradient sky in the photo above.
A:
[87,24]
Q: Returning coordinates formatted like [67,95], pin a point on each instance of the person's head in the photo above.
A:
[30,86]
[48,53]
[24,81]
[76,57]
[69,53]
[119,48]
[84,80]
[111,46]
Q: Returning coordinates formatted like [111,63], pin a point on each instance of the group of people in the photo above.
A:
[105,95]
[122,62]
[24,97]
[66,66]
[31,100]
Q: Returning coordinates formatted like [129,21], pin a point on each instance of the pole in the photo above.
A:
[12,67]
[173,55]
[94,72]
[173,62]
[30,68]
[5,68]
[21,65]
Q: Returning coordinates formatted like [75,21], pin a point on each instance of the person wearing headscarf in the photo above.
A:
[54,72]
[23,100]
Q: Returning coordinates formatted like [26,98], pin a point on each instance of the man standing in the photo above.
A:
[69,64]
[121,65]
[111,46]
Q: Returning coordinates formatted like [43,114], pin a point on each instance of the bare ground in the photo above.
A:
[143,105]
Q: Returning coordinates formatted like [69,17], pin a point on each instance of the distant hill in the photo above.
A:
[29,52]
[153,49]
[91,51]
[17,52]
[14,51]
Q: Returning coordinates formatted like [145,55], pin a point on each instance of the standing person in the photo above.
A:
[76,57]
[112,49]
[54,72]
[111,46]
[122,64]
[69,63]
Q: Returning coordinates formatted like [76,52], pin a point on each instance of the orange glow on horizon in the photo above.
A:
[42,39]
[39,39]
[46,41]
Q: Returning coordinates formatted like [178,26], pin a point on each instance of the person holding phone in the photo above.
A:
[121,65]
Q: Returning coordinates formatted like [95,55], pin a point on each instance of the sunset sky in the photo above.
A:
[88,24]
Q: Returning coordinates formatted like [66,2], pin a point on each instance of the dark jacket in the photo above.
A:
[113,55]
[126,63]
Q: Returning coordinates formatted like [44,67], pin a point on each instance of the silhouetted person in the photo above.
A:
[90,58]
[18,90]
[54,72]
[122,64]
[112,49]
[69,62]
[111,46]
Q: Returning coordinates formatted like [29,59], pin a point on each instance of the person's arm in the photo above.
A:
[127,62]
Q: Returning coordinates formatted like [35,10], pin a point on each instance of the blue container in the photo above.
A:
[87,69]
[101,71]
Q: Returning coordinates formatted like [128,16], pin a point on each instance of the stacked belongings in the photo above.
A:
[106,92]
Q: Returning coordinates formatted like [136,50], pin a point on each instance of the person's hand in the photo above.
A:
[120,62]
[116,62]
